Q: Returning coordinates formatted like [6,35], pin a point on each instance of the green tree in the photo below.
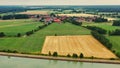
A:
[75,55]
[49,53]
[55,54]
[68,55]
[81,55]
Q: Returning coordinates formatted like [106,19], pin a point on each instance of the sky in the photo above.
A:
[59,2]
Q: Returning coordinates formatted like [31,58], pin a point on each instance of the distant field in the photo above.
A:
[12,27]
[78,15]
[85,44]
[35,42]
[107,26]
[35,12]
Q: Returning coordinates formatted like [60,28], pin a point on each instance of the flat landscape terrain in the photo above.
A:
[35,12]
[13,27]
[85,44]
[34,43]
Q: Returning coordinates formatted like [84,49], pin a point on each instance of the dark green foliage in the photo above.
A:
[116,32]
[53,15]
[29,33]
[75,55]
[18,35]
[81,55]
[55,54]
[116,23]
[2,34]
[102,39]
[5,9]
[118,54]
[76,22]
[100,19]
[97,29]
[49,53]
[9,51]
[92,57]
[55,34]
[15,16]
[68,55]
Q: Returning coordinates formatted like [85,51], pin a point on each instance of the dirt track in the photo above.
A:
[85,44]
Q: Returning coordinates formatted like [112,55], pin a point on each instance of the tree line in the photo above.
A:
[102,39]
[116,23]
[100,19]
[97,29]
[14,16]
[115,32]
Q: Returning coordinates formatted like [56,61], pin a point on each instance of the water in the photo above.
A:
[15,62]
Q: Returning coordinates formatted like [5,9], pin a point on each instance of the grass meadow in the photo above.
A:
[34,43]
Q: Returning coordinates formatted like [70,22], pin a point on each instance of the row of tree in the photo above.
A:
[76,23]
[116,23]
[116,32]
[74,55]
[102,39]
[97,29]
[14,16]
[100,19]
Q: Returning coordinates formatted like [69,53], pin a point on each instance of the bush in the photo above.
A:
[116,23]
[81,55]
[2,34]
[55,54]
[68,55]
[75,55]
[102,39]
[15,16]
[18,35]
[29,33]
[97,29]
[118,54]
[116,32]
[100,20]
[49,53]
[9,51]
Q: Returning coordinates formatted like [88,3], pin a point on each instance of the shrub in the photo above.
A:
[49,53]
[102,39]
[116,32]
[118,54]
[18,35]
[55,54]
[2,34]
[81,55]
[100,19]
[75,55]
[116,23]
[68,55]
[97,29]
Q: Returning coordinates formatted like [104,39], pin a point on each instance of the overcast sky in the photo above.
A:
[59,2]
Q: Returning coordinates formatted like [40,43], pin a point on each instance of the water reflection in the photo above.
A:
[15,62]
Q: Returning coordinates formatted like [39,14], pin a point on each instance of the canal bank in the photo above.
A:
[61,58]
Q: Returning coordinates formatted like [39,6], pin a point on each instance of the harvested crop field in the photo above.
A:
[85,44]
[34,12]
[78,15]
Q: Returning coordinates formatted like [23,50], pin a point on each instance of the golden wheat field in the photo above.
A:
[85,44]
[34,12]
[78,15]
